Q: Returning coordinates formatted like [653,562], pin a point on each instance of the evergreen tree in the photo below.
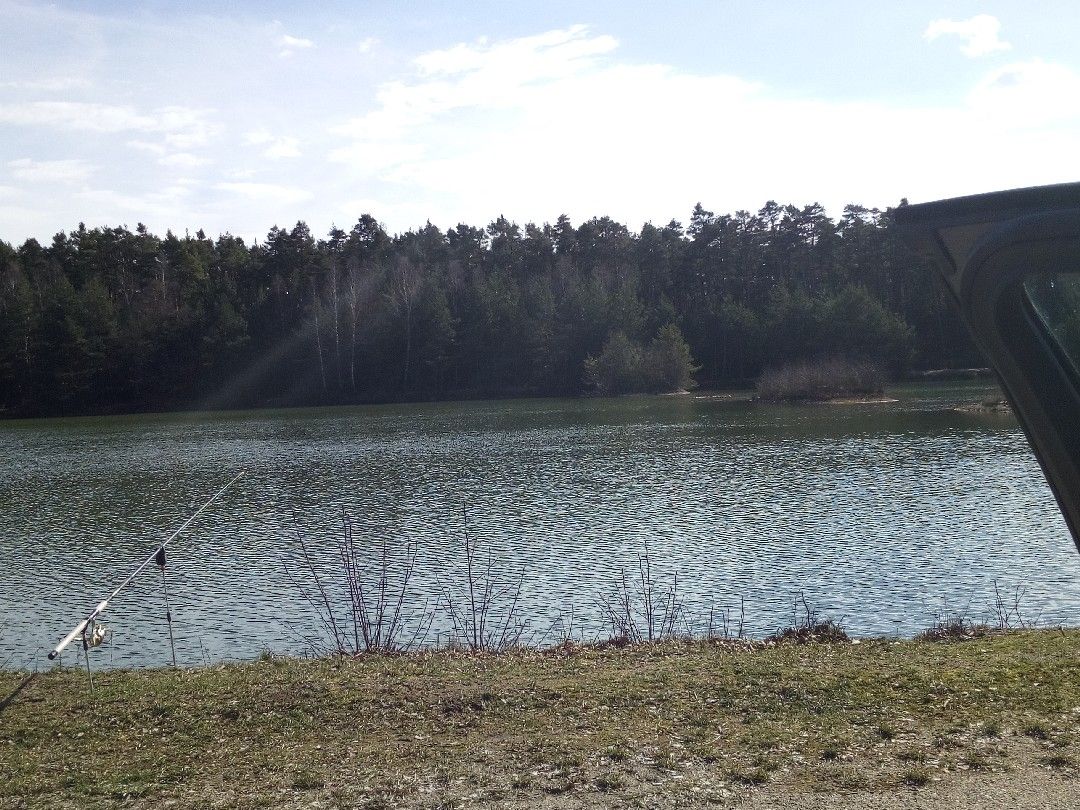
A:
[108,319]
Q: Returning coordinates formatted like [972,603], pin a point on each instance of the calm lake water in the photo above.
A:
[883,516]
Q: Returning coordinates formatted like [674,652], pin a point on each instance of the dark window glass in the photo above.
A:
[1055,298]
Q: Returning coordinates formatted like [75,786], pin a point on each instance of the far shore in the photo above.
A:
[741,394]
[858,401]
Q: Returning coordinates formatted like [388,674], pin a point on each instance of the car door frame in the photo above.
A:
[985,247]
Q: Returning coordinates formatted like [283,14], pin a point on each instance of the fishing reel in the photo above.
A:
[96,635]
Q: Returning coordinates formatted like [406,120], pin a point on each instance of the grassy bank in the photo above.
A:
[705,721]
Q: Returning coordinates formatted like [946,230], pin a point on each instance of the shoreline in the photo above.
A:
[743,393]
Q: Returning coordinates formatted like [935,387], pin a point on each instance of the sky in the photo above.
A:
[238,117]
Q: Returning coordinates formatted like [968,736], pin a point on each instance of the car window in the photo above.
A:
[1055,298]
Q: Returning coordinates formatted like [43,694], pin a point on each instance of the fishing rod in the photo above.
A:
[157,554]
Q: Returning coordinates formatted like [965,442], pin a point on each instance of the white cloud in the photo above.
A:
[147,146]
[50,171]
[181,127]
[290,45]
[1028,94]
[49,83]
[266,192]
[277,146]
[479,75]
[184,160]
[157,201]
[367,45]
[167,157]
[167,206]
[77,115]
[287,41]
[283,148]
[553,54]
[184,127]
[374,157]
[542,125]
[531,127]
[980,34]
[519,92]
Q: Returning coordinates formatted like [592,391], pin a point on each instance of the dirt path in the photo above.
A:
[1028,788]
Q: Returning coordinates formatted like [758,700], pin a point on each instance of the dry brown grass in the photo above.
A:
[820,380]
[675,721]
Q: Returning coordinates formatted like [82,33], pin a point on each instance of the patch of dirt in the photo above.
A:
[1026,787]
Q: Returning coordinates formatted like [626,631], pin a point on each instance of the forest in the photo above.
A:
[108,320]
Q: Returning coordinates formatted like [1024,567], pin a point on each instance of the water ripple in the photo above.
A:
[881,516]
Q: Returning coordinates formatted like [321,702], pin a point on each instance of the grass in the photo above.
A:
[1059,761]
[1036,731]
[915,777]
[911,755]
[704,720]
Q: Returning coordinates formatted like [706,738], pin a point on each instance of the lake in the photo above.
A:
[882,516]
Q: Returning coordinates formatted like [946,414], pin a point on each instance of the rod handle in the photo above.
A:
[79,628]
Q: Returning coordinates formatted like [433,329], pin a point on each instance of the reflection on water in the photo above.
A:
[882,515]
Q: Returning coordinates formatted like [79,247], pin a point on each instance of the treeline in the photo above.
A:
[110,319]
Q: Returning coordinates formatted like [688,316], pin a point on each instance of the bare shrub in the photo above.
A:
[807,628]
[560,633]
[639,611]
[483,609]
[818,380]
[1005,616]
[1006,609]
[722,623]
[953,628]
[371,591]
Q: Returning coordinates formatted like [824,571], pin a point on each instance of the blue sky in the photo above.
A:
[236,117]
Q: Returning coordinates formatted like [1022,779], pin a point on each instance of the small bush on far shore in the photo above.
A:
[820,380]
